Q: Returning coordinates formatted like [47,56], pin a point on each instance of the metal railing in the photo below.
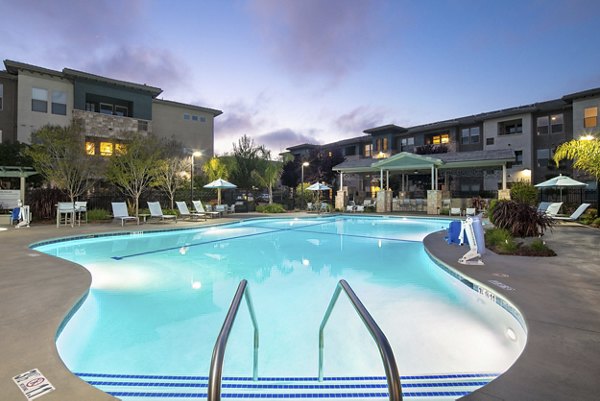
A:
[216,363]
[385,350]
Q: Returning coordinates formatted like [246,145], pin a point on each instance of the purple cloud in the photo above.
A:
[315,36]
[283,138]
[360,119]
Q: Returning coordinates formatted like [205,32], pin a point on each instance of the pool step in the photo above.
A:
[156,388]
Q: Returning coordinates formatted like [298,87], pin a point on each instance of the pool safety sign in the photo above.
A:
[33,384]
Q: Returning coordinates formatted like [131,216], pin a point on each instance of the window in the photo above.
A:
[543,157]
[441,138]
[489,141]
[106,148]
[518,158]
[350,150]
[143,125]
[202,119]
[1,96]
[120,148]
[368,150]
[121,111]
[90,148]
[194,117]
[556,124]
[510,127]
[90,107]
[590,117]
[39,100]
[542,125]
[186,116]
[469,135]
[382,144]
[59,103]
[106,108]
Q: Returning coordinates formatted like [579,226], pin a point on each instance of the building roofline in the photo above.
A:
[13,67]
[214,112]
[585,93]
[154,91]
[5,74]
[303,145]
[386,127]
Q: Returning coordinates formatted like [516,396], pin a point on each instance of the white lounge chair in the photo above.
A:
[120,212]
[543,206]
[553,209]
[576,214]
[156,212]
[186,214]
[351,208]
[470,211]
[359,208]
[200,209]
[455,211]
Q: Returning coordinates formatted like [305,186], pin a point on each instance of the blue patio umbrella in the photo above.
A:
[560,182]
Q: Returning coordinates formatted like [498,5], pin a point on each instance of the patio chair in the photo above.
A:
[576,214]
[310,207]
[223,209]
[120,212]
[455,211]
[324,208]
[156,213]
[351,208]
[186,214]
[543,206]
[553,209]
[81,207]
[65,213]
[470,211]
[200,209]
[359,208]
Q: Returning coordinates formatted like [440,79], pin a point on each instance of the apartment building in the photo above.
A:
[108,109]
[468,156]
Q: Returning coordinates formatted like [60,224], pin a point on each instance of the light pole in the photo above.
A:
[305,164]
[194,154]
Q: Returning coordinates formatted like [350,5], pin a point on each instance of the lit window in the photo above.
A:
[90,148]
[368,150]
[120,148]
[59,103]
[556,124]
[439,139]
[106,148]
[330,154]
[39,100]
[590,117]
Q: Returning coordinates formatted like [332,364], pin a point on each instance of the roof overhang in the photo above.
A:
[16,172]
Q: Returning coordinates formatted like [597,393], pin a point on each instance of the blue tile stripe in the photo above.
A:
[291,395]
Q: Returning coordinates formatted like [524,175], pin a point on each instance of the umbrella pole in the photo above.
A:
[218,196]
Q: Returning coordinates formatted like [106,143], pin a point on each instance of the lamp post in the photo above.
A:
[305,164]
[194,154]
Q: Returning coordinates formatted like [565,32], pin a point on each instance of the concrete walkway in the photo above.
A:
[559,297]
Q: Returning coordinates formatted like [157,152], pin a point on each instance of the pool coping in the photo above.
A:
[561,359]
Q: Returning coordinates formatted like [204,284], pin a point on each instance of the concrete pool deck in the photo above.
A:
[559,297]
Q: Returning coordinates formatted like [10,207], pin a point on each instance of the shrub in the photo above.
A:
[509,246]
[272,208]
[496,236]
[97,214]
[524,192]
[520,219]
[491,207]
[596,223]
[589,216]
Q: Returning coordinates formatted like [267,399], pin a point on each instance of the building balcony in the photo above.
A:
[110,126]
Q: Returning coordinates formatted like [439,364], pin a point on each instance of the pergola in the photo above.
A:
[18,172]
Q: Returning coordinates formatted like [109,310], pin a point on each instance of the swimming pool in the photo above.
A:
[158,299]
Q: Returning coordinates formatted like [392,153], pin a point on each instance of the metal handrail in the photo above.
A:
[385,350]
[216,363]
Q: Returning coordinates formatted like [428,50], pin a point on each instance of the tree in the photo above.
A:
[585,152]
[215,168]
[269,176]
[58,153]
[134,169]
[168,175]
[248,157]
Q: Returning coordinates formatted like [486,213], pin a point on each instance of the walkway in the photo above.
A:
[558,296]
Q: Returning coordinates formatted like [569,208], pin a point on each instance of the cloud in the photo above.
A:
[314,36]
[359,119]
[283,138]
[154,66]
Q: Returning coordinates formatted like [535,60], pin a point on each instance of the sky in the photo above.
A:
[287,72]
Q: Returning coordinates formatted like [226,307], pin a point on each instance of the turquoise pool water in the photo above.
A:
[158,300]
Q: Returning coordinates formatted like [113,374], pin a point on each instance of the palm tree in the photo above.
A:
[584,151]
[215,169]
[269,176]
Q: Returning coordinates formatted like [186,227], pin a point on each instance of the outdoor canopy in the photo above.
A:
[219,184]
[560,182]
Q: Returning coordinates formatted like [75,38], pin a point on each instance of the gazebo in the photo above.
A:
[9,197]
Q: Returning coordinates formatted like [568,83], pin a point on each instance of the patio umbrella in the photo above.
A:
[220,184]
[560,182]
[317,186]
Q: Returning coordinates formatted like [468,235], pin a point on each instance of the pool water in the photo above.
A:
[158,300]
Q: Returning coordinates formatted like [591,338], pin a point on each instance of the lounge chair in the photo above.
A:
[156,213]
[324,207]
[455,211]
[120,212]
[553,209]
[200,209]
[310,207]
[186,214]
[576,214]
[351,208]
[543,206]
[359,208]
[470,211]
[223,209]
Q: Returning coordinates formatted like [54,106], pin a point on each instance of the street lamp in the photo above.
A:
[194,154]
[305,164]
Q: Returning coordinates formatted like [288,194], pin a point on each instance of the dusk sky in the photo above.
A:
[317,71]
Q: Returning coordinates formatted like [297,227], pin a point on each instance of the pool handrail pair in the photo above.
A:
[385,350]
